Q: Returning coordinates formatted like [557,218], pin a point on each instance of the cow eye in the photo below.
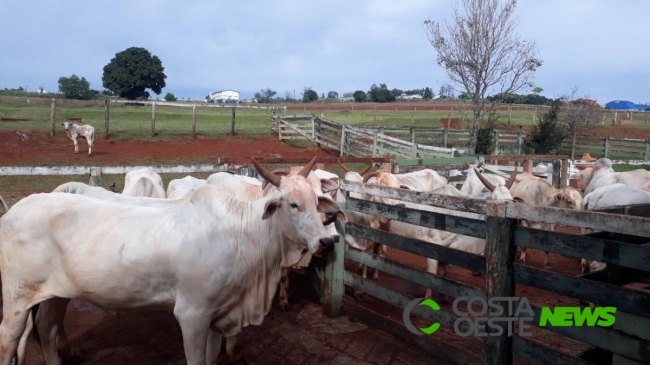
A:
[293,205]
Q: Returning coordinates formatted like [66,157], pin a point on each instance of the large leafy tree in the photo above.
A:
[74,87]
[132,71]
[483,54]
[265,96]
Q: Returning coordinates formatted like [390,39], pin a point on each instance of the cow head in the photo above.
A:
[467,167]
[498,192]
[568,198]
[297,210]
[66,125]
[383,179]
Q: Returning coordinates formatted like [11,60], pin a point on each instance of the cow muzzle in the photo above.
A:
[326,245]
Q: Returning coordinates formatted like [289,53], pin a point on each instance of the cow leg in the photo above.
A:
[195,330]
[12,328]
[381,251]
[213,347]
[49,324]
[363,271]
[522,258]
[284,283]
[76,145]
[442,272]
[22,344]
[547,262]
[90,146]
[232,350]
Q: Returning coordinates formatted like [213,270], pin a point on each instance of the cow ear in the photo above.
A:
[328,185]
[327,205]
[558,197]
[333,194]
[341,216]
[270,207]
[407,187]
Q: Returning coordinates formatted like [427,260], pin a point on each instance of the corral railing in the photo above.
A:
[626,342]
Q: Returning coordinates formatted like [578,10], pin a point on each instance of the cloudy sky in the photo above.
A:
[600,46]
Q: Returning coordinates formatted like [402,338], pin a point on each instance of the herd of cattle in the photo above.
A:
[214,251]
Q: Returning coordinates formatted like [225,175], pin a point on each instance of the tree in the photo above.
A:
[481,52]
[74,87]
[171,97]
[577,115]
[446,91]
[485,140]
[428,94]
[348,95]
[359,96]
[380,94]
[547,136]
[332,95]
[309,95]
[288,95]
[265,96]
[132,71]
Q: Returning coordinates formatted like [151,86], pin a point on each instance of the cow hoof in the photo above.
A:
[358,297]
[284,307]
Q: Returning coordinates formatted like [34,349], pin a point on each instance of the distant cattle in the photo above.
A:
[75,131]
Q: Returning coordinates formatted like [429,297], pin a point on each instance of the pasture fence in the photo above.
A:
[627,341]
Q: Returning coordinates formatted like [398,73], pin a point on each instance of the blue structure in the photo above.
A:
[626,105]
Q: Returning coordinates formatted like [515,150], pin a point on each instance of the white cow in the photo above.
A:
[76,131]
[535,191]
[183,188]
[144,182]
[422,180]
[153,258]
[473,184]
[602,174]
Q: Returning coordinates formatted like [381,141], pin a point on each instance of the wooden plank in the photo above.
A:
[438,349]
[538,354]
[421,248]
[592,248]
[333,289]
[399,300]
[436,200]
[434,167]
[426,279]
[499,258]
[617,342]
[525,157]
[440,221]
[436,161]
[627,300]
[636,226]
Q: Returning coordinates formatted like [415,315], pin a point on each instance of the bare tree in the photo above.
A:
[482,54]
[578,114]
[288,95]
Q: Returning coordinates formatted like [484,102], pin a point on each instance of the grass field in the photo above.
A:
[134,122]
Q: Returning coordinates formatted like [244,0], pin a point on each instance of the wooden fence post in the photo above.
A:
[333,288]
[381,130]
[194,120]
[444,137]
[499,258]
[96,177]
[53,117]
[527,166]
[414,146]
[279,126]
[519,142]
[374,145]
[313,129]
[106,116]
[646,150]
[153,119]
[496,142]
[342,140]
[606,146]
[557,173]
[564,176]
[232,123]
[374,120]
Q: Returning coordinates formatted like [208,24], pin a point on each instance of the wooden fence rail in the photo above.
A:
[627,341]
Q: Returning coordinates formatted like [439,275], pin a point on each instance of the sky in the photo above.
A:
[599,46]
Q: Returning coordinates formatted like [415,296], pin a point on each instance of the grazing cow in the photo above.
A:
[153,258]
[473,185]
[535,191]
[602,174]
[144,182]
[183,188]
[76,131]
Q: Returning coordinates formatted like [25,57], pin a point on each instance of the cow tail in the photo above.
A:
[4,204]
[33,312]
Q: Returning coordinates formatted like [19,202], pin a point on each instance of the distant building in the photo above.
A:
[348,98]
[225,95]
[407,97]
[626,105]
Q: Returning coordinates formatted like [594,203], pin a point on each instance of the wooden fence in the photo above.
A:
[626,342]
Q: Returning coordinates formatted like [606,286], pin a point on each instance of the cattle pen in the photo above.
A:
[626,342]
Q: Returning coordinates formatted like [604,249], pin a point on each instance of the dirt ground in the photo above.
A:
[301,336]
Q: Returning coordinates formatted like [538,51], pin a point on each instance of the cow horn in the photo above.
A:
[345,168]
[364,171]
[480,164]
[512,178]
[266,174]
[465,165]
[370,175]
[281,171]
[304,172]
[484,180]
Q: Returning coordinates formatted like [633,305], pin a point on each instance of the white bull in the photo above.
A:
[422,180]
[183,188]
[76,131]
[602,174]
[535,191]
[153,258]
[473,185]
[144,182]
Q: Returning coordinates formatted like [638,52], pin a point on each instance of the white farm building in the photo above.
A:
[225,95]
